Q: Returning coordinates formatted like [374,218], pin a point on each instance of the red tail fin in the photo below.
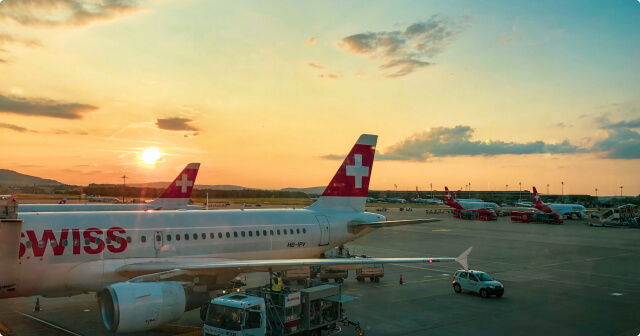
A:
[177,194]
[538,202]
[450,201]
[350,185]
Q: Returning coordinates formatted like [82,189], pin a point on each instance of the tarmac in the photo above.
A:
[569,279]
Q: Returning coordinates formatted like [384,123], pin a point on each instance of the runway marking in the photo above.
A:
[589,259]
[440,230]
[616,294]
[3,328]
[49,324]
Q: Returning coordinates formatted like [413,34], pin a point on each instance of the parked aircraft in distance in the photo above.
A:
[467,205]
[101,199]
[150,266]
[175,197]
[395,200]
[563,209]
[419,200]
[63,201]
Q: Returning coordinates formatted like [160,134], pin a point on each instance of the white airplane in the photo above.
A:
[563,209]
[175,197]
[101,199]
[149,267]
[395,200]
[419,200]
[468,205]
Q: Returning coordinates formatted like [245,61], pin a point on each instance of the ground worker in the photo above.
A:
[276,282]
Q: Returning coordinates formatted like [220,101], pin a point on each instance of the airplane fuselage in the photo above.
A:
[63,254]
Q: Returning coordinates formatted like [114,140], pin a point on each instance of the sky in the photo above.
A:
[272,94]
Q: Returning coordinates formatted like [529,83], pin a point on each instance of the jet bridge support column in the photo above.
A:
[10,230]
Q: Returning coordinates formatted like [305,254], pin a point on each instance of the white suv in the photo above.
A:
[476,281]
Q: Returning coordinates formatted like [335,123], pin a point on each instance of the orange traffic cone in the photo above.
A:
[37,309]
[402,283]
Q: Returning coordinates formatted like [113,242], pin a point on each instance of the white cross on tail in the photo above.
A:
[358,171]
[184,183]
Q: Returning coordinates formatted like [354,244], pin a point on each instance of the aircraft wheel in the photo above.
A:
[377,279]
[457,288]
[484,294]
[371,278]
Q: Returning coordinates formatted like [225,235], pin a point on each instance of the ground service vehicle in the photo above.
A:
[476,281]
[259,311]
[536,217]
[485,214]
[374,272]
[299,275]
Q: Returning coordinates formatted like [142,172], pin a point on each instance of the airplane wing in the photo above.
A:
[156,271]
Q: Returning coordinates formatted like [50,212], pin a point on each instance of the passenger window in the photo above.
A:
[219,234]
[242,233]
[250,233]
[210,235]
[304,230]
[53,243]
[228,235]
[235,234]
[291,231]
[264,232]
[284,232]
[119,240]
[168,237]
[257,233]
[177,237]
[76,242]
[29,244]
[143,239]
[98,241]
[186,236]
[195,236]
[129,240]
[158,237]
[298,231]
[86,241]
[65,242]
[108,240]
[278,232]
[271,232]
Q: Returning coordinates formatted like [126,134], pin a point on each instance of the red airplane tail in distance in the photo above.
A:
[179,191]
[63,201]
[349,187]
[450,201]
[538,202]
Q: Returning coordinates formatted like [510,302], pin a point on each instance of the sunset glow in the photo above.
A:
[272,96]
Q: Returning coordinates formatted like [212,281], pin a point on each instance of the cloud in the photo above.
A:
[175,124]
[6,38]
[563,125]
[635,123]
[330,76]
[405,51]
[315,66]
[310,41]
[14,127]
[619,144]
[43,107]
[53,13]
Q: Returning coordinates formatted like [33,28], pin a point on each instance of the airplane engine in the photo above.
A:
[131,307]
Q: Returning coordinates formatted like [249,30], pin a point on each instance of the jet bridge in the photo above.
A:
[10,230]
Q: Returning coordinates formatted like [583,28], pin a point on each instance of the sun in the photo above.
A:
[150,155]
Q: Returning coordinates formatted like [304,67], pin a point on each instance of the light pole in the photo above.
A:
[520,195]
[621,194]
[597,201]
[562,192]
[547,192]
[124,186]
[469,190]
[506,188]
[431,186]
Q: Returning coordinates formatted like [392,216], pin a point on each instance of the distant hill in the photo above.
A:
[310,191]
[12,178]
[198,186]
